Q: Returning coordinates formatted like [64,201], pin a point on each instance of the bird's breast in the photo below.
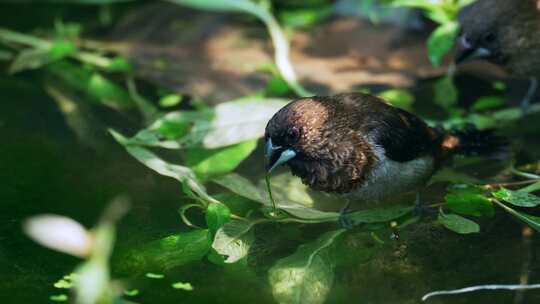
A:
[388,178]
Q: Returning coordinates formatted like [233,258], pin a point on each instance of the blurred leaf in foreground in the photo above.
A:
[307,275]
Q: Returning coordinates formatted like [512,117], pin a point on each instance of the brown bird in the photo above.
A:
[505,33]
[360,146]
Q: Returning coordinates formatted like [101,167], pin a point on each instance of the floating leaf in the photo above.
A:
[152,275]
[307,275]
[469,200]
[458,223]
[441,41]
[216,216]
[234,240]
[517,198]
[59,298]
[207,163]
[182,286]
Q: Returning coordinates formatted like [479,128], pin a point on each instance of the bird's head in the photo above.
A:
[313,136]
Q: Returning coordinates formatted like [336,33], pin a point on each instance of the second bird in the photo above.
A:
[359,146]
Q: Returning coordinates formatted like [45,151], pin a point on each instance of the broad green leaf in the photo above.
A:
[441,41]
[241,186]
[488,103]
[207,163]
[445,92]
[532,221]
[234,240]
[169,252]
[216,216]
[458,223]
[378,215]
[517,198]
[307,275]
[183,174]
[469,200]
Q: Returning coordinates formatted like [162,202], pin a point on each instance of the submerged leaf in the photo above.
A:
[307,275]
[517,198]
[379,215]
[458,223]
[234,240]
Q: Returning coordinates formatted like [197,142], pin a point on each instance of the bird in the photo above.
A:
[360,147]
[504,33]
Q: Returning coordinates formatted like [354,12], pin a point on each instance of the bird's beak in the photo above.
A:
[467,52]
[276,155]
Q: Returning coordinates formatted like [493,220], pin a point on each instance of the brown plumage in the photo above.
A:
[507,33]
[359,145]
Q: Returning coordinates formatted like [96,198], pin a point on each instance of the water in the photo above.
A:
[45,169]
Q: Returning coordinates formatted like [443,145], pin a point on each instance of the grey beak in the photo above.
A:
[467,52]
[276,155]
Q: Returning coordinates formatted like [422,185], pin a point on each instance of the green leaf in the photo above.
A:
[207,163]
[168,252]
[458,223]
[517,198]
[307,275]
[30,59]
[182,286]
[238,121]
[183,174]
[241,186]
[61,49]
[131,292]
[234,240]
[59,298]
[216,216]
[170,100]
[441,41]
[398,98]
[488,103]
[469,200]
[120,64]
[157,276]
[378,215]
[445,92]
[532,221]
[531,188]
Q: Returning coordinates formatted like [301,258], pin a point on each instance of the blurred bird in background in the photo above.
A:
[505,33]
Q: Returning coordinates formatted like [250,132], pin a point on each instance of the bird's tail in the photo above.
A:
[473,142]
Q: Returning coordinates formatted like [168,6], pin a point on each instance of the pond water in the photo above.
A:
[45,169]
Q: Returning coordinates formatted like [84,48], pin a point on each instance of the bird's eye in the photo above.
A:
[293,134]
[489,37]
